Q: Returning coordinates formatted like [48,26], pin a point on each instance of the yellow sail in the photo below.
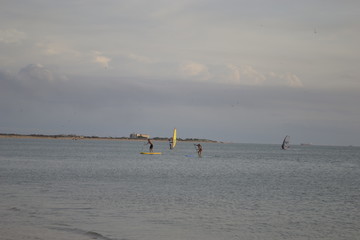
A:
[173,139]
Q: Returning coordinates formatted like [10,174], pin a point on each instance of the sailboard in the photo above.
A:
[173,143]
[286,144]
[151,153]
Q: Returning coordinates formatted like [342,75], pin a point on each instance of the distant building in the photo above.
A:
[138,135]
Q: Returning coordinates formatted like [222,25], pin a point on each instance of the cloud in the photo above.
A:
[99,58]
[287,79]
[37,99]
[246,75]
[38,73]
[195,70]
[55,48]
[292,80]
[11,36]
[34,72]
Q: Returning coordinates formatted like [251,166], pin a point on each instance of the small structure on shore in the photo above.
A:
[139,135]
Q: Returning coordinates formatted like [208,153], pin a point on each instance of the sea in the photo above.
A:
[61,189]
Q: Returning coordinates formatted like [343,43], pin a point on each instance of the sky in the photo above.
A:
[231,70]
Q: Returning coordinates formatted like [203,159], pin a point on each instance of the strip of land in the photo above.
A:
[77,137]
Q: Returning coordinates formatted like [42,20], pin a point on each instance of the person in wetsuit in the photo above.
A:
[151,145]
[170,142]
[199,149]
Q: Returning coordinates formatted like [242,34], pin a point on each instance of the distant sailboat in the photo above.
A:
[173,140]
[285,145]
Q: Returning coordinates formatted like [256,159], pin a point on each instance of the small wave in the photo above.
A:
[162,222]
[96,235]
[65,208]
[15,209]
[62,225]
[91,234]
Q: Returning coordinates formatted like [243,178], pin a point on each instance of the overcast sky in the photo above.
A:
[231,70]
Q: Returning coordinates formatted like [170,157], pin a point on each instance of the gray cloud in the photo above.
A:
[37,99]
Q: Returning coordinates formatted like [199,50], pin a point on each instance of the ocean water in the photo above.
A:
[96,189]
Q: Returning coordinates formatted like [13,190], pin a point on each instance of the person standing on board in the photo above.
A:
[151,145]
[199,149]
[170,143]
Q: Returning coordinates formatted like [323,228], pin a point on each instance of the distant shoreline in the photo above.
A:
[76,137]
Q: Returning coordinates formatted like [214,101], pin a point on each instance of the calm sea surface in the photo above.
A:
[89,189]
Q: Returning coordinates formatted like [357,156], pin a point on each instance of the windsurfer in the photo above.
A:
[170,143]
[285,145]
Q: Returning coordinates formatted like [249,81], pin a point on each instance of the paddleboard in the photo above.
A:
[151,153]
